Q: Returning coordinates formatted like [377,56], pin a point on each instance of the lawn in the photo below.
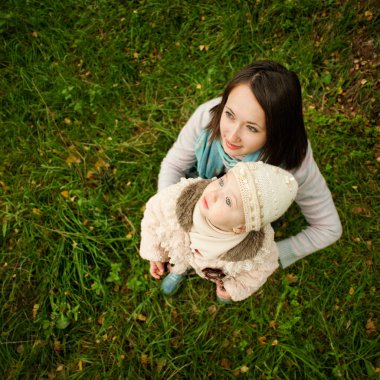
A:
[93,94]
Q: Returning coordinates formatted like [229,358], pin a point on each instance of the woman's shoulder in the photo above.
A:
[206,107]
[306,162]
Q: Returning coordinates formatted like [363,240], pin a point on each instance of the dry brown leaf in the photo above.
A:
[291,278]
[20,349]
[272,324]
[57,346]
[174,313]
[370,326]
[144,359]
[212,309]
[362,211]
[244,369]
[101,319]
[263,340]
[225,363]
[160,363]
[275,342]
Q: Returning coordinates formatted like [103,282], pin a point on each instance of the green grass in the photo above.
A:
[93,94]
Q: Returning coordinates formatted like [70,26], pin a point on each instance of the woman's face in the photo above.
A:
[242,125]
[221,204]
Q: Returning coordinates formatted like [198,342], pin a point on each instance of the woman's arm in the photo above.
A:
[181,155]
[316,203]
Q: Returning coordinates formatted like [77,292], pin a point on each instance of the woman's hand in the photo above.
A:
[221,292]
[157,269]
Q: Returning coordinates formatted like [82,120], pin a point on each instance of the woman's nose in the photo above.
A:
[234,136]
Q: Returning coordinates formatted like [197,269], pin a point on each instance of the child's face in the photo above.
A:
[242,125]
[222,205]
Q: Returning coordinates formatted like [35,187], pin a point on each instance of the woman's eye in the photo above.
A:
[229,114]
[252,128]
[221,182]
[228,201]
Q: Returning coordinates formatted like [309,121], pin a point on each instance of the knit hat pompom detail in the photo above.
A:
[267,191]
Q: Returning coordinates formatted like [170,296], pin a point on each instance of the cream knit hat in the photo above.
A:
[267,192]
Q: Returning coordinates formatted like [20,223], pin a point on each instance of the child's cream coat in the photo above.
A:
[163,238]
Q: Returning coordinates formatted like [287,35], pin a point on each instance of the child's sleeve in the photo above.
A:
[245,283]
[150,248]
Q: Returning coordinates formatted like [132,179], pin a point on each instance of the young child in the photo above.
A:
[220,228]
[259,117]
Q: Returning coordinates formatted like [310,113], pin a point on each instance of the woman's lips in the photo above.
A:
[204,202]
[232,146]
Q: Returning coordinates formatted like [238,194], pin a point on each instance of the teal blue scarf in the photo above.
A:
[212,159]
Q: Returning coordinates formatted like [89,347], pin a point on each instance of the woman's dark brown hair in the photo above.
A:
[278,92]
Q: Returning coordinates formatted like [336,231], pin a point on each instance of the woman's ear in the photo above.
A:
[239,229]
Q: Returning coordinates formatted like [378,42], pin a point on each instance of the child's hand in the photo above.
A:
[157,269]
[221,292]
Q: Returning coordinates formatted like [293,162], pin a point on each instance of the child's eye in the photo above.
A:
[228,201]
[252,128]
[221,182]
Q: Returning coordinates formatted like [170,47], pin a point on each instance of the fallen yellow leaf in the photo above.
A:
[80,365]
[139,317]
[65,193]
[101,164]
[36,211]
[291,278]
[351,291]
[90,174]
[144,359]
[35,310]
[71,159]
